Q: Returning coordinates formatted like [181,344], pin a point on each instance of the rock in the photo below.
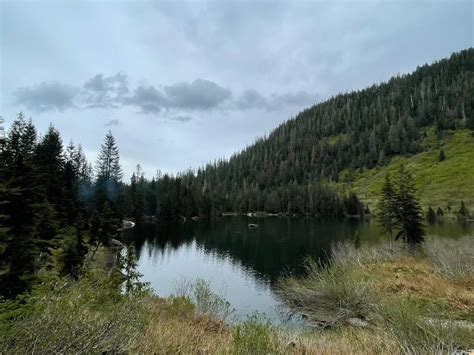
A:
[127,225]
[114,243]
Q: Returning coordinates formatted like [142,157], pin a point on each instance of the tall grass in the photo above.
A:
[327,296]
[452,258]
[411,298]
[414,333]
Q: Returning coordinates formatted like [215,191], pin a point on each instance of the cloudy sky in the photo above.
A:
[183,83]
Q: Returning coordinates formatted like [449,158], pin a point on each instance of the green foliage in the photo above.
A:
[256,335]
[66,316]
[386,208]
[128,265]
[398,209]
[407,210]
[437,184]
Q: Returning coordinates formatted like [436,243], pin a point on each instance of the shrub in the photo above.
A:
[327,296]
[67,316]
[206,301]
[255,336]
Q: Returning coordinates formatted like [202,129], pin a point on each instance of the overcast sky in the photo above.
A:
[183,83]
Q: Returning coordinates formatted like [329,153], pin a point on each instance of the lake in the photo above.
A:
[243,264]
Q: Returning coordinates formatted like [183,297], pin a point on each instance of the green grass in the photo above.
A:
[439,184]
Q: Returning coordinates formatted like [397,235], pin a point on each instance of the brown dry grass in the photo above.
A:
[175,327]
[341,341]
[417,279]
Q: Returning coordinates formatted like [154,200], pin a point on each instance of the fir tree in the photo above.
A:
[442,156]
[132,276]
[431,216]
[408,211]
[109,173]
[463,213]
[386,209]
[439,213]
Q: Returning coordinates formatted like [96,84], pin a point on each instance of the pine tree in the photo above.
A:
[442,156]
[49,168]
[108,162]
[408,211]
[463,213]
[132,276]
[439,213]
[109,173]
[21,201]
[109,224]
[386,209]
[431,216]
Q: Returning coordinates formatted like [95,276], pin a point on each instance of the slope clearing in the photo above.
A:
[440,184]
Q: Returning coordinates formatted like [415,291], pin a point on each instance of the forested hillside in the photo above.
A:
[287,171]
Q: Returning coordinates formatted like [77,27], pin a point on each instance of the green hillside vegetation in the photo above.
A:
[331,142]
[439,183]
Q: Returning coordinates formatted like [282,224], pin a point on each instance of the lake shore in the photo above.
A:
[406,301]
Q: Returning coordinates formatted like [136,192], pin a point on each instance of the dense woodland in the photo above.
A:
[287,171]
[55,206]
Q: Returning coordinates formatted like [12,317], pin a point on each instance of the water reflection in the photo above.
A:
[244,263]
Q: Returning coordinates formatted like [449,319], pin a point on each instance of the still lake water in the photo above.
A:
[243,264]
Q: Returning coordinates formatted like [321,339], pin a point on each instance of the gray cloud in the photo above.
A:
[105,92]
[112,92]
[148,99]
[112,123]
[46,96]
[200,94]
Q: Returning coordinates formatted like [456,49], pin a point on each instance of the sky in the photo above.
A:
[181,83]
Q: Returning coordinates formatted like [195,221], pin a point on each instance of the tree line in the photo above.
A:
[289,170]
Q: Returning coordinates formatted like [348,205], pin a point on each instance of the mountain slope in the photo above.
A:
[341,137]
[440,184]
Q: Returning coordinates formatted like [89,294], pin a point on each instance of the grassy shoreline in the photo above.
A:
[406,302]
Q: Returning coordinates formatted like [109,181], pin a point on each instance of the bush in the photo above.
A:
[199,293]
[327,296]
[67,316]
[255,336]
